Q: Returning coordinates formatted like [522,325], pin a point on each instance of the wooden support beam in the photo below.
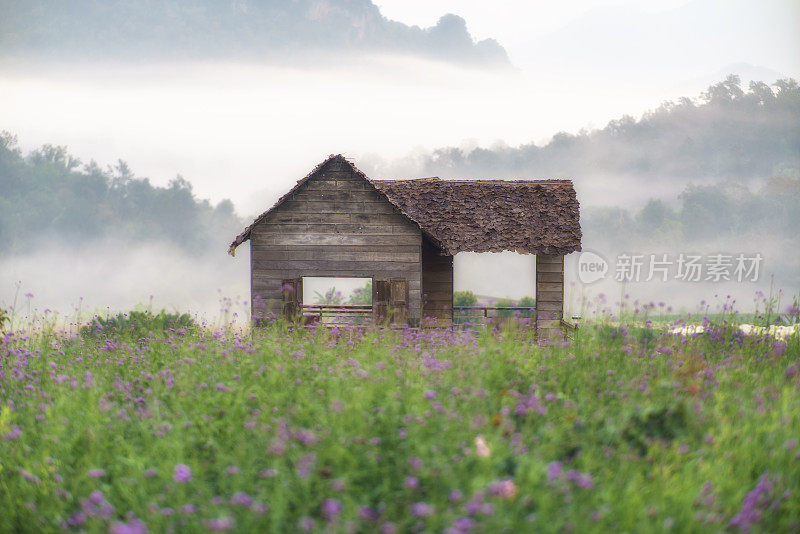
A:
[549,295]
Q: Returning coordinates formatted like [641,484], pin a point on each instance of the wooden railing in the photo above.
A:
[463,314]
[569,328]
[335,314]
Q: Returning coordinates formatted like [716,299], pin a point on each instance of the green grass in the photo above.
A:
[643,420]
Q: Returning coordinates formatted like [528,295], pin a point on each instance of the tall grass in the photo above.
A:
[281,429]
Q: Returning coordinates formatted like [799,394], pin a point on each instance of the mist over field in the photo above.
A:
[133,157]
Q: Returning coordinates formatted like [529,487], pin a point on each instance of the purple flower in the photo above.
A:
[583,480]
[97,505]
[531,403]
[134,526]
[96,473]
[463,524]
[12,434]
[232,470]
[421,509]
[331,508]
[412,482]
[503,488]
[182,473]
[30,477]
[242,499]
[150,473]
[456,496]
[304,465]
[792,370]
[368,514]
[78,518]
[220,524]
[414,462]
[554,471]
[188,509]
[430,394]
[307,524]
[753,504]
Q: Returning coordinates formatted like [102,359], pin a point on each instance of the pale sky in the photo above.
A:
[249,131]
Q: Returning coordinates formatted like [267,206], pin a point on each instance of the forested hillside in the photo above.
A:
[726,133]
[50,194]
[745,145]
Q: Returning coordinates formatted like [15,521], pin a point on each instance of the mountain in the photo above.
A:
[274,30]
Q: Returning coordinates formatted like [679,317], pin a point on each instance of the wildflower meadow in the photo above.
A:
[175,426]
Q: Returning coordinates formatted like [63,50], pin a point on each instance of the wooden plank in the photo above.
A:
[547,258]
[321,206]
[321,185]
[332,255]
[334,239]
[273,286]
[284,216]
[549,277]
[311,266]
[401,249]
[439,277]
[437,295]
[436,267]
[549,306]
[549,296]
[549,286]
[338,228]
[261,274]
[345,195]
[437,286]
[550,267]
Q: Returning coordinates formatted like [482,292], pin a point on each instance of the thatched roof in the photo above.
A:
[539,217]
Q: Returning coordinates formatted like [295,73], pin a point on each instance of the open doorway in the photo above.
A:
[493,286]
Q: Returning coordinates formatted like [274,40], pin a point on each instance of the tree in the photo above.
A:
[361,295]
[330,298]
[464,298]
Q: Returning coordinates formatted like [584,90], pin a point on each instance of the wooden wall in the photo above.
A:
[549,293]
[437,285]
[336,224]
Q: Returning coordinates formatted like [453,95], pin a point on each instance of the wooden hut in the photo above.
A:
[403,234]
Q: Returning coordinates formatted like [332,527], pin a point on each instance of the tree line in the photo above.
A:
[727,132]
[49,193]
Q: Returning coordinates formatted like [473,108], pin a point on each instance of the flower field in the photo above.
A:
[191,429]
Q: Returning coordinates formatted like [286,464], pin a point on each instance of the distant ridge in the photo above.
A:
[242,29]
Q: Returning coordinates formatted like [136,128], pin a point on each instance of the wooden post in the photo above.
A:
[390,300]
[398,300]
[292,298]
[380,299]
[549,295]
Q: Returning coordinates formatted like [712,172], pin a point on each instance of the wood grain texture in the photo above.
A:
[437,284]
[336,225]
[549,294]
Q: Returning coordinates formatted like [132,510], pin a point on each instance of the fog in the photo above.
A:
[400,101]
[109,276]
[248,132]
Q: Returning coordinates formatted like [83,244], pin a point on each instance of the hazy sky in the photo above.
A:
[248,131]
